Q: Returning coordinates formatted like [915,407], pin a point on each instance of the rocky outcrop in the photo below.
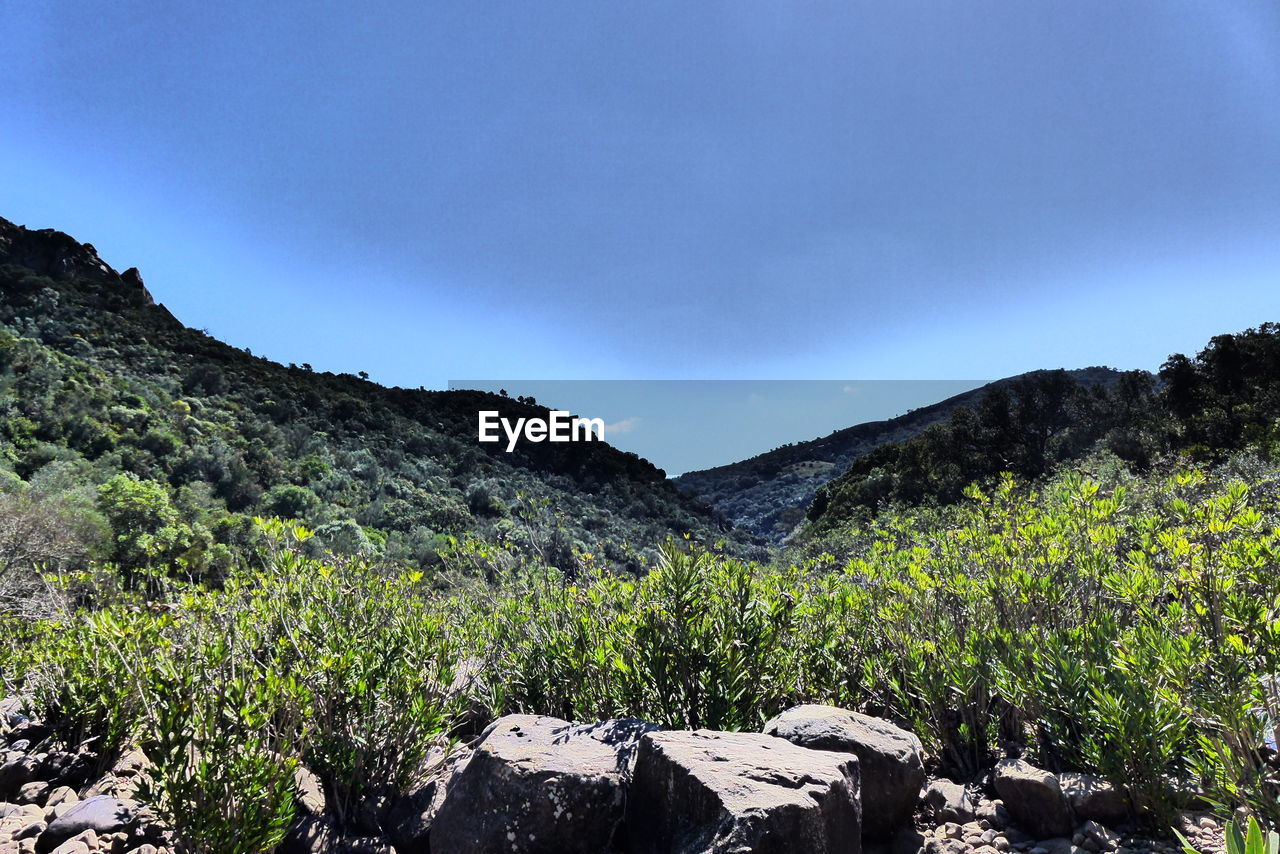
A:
[889,758]
[709,792]
[538,784]
[60,257]
[1034,799]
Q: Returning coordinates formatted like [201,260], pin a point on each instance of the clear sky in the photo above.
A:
[738,189]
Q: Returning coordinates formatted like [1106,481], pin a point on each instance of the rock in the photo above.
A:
[1095,799]
[87,841]
[31,831]
[310,792]
[101,814]
[907,840]
[709,792]
[536,784]
[63,768]
[32,732]
[889,759]
[409,824]
[34,792]
[61,795]
[314,835]
[17,772]
[994,814]
[1105,839]
[74,846]
[1059,845]
[1034,799]
[947,801]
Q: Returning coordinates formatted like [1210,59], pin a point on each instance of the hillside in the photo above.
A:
[767,494]
[99,381]
[1198,410]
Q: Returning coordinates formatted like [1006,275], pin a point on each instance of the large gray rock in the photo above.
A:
[1034,799]
[102,815]
[537,785]
[718,792]
[1094,799]
[889,759]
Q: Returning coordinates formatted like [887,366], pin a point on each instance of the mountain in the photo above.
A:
[99,380]
[768,494]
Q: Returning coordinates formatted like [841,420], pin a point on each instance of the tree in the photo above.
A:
[40,535]
[148,531]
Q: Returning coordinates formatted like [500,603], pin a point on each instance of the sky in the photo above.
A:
[664,190]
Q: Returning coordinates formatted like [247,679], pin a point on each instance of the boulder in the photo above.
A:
[17,771]
[536,784]
[102,815]
[947,801]
[709,792]
[1034,799]
[309,791]
[1095,799]
[889,759]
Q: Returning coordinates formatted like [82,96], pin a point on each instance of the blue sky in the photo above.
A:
[588,190]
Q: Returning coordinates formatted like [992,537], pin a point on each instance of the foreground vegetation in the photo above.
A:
[1127,627]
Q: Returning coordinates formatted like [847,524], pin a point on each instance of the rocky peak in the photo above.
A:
[60,256]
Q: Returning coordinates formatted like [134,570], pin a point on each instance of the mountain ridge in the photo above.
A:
[767,494]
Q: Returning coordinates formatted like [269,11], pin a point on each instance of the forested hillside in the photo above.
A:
[159,443]
[1197,409]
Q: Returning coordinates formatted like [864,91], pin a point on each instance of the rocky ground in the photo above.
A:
[818,779]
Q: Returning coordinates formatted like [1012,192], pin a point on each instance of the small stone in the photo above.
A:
[61,795]
[34,792]
[72,846]
[31,830]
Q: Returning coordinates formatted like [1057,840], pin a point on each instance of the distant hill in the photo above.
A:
[97,379]
[768,494]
